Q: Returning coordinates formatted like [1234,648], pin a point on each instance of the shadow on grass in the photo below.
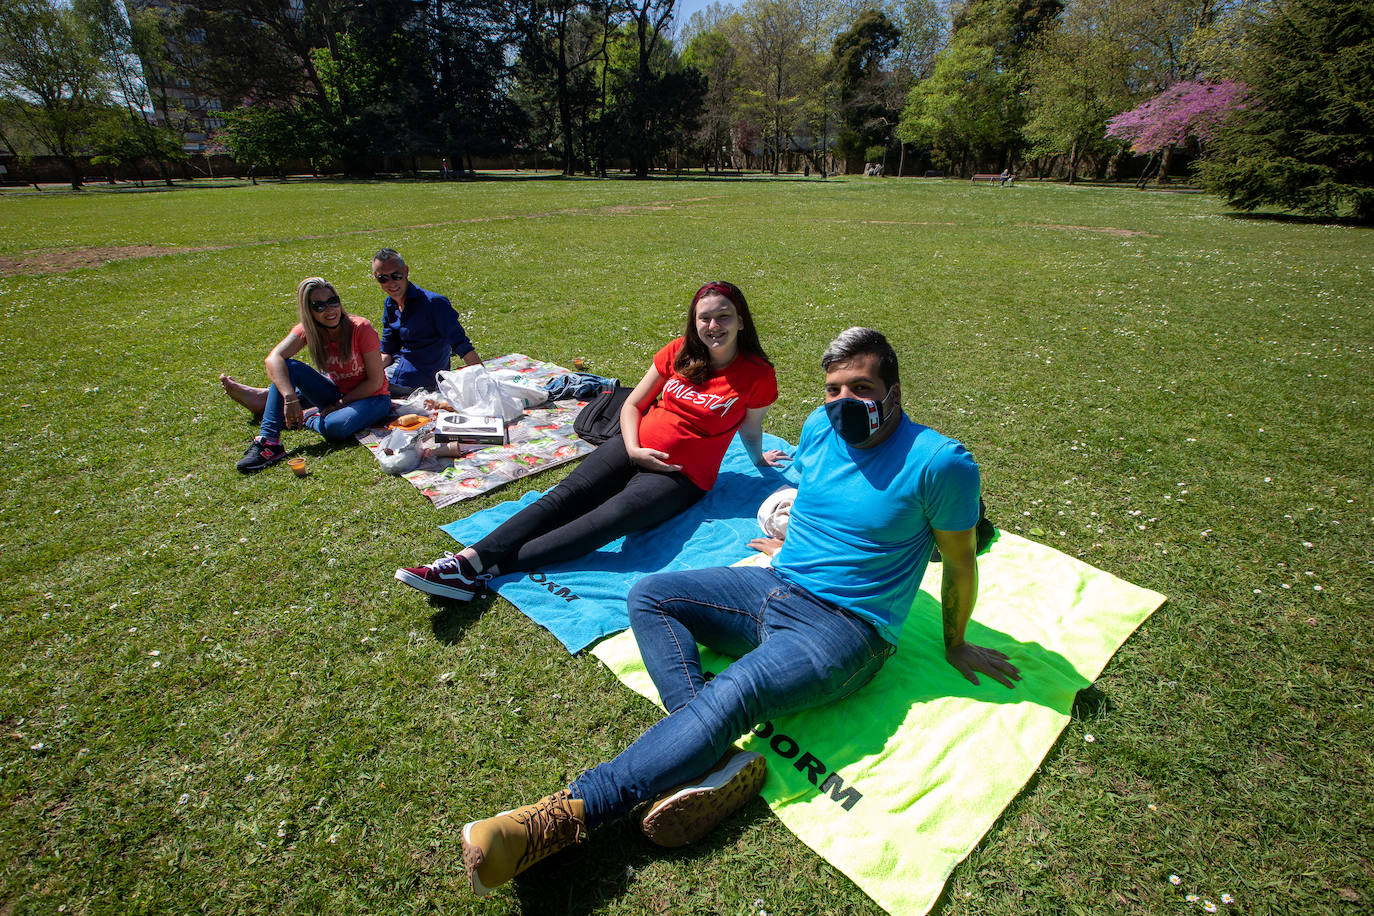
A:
[585,878]
[318,448]
[451,618]
[1300,219]
[208,185]
[1091,703]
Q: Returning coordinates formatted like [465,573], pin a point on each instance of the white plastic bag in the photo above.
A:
[399,452]
[518,386]
[474,391]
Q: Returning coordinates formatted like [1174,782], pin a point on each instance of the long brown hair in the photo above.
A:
[314,336]
[694,360]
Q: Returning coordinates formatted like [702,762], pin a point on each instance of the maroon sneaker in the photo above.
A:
[450,576]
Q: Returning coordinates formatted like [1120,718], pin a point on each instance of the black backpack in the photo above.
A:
[600,419]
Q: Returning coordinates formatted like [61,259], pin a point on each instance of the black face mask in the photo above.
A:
[857,420]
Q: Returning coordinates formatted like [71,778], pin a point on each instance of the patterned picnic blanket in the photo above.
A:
[543,438]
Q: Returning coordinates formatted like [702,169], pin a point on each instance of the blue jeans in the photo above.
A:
[793,651]
[320,389]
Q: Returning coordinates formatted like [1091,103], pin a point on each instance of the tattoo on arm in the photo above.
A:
[949,606]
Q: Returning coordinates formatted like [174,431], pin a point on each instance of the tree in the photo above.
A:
[1191,110]
[256,49]
[857,65]
[711,54]
[386,77]
[50,77]
[963,107]
[116,139]
[709,18]
[656,99]
[264,136]
[1306,138]
[1186,111]
[469,44]
[561,43]
[972,105]
[1076,77]
[779,71]
[644,107]
[655,115]
[923,36]
[122,44]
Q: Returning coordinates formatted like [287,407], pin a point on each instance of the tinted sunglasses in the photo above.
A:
[394,275]
[324,305]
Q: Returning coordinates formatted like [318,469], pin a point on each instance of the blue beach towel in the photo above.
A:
[583,600]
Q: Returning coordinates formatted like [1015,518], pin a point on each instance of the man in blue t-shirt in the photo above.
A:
[420,329]
[876,490]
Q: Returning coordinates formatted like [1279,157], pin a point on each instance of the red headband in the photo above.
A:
[715,287]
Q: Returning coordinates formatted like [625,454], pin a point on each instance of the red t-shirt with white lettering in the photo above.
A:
[694,424]
[351,374]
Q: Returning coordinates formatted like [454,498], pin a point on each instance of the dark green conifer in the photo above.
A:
[1306,137]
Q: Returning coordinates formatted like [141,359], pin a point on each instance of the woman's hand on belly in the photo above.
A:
[651,459]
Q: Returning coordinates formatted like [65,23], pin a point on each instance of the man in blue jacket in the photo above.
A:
[420,330]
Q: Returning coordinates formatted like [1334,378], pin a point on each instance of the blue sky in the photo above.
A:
[685,9]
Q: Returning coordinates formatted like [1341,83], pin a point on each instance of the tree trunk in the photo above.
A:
[1073,163]
[565,115]
[1145,175]
[74,168]
[1165,158]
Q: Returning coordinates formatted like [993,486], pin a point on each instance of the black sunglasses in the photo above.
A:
[394,275]
[324,305]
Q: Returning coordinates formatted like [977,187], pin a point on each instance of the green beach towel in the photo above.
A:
[895,785]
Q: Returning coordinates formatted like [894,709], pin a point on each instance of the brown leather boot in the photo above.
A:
[501,847]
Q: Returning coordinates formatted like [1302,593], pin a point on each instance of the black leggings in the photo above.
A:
[606,497]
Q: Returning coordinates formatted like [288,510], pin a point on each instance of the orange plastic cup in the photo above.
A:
[297,465]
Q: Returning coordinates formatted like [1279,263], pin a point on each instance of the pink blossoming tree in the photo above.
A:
[1195,109]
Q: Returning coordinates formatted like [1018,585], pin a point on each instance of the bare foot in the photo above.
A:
[253,399]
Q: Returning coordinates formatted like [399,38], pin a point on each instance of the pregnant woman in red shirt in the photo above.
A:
[675,426]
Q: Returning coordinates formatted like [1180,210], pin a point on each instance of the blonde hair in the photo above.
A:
[314,337]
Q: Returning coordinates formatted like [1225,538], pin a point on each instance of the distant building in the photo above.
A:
[176,101]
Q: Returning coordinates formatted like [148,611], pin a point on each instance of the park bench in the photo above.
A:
[987,176]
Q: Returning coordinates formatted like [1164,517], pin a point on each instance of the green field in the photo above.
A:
[216,699]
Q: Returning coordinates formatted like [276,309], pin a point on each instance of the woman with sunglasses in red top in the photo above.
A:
[675,426]
[351,393]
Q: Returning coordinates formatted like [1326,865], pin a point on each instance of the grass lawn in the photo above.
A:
[216,699]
